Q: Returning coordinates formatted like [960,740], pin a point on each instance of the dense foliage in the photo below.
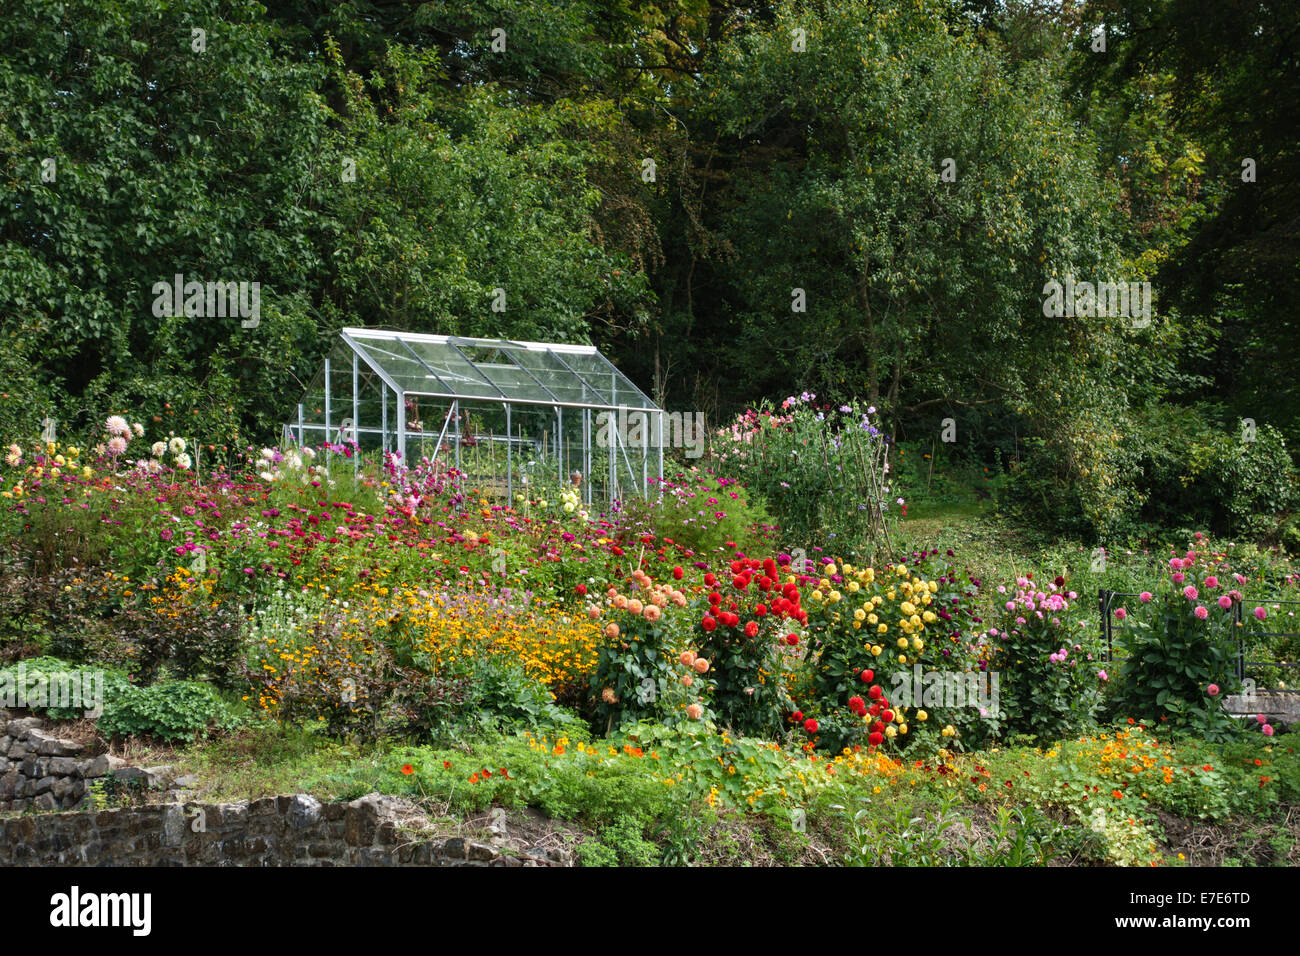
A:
[860,199]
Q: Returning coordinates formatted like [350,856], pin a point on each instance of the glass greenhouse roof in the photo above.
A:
[495,370]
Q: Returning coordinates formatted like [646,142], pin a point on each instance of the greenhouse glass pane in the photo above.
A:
[598,371]
[560,380]
[399,365]
[451,367]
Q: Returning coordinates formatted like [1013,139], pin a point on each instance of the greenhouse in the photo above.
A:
[511,416]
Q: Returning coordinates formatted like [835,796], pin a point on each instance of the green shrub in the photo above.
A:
[39,675]
[172,710]
[176,710]
[621,843]
[1049,681]
[194,638]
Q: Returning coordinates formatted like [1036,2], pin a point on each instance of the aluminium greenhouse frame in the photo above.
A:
[535,400]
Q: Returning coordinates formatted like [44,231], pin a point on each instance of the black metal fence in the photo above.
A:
[1108,601]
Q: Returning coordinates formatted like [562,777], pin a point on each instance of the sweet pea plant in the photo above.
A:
[822,470]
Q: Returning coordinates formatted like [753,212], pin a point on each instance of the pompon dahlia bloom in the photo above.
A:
[116,425]
[158,449]
[176,445]
[116,445]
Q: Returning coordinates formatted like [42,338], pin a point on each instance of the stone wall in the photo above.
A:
[46,772]
[291,830]
[1277,706]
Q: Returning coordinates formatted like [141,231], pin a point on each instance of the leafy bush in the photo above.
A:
[1256,481]
[174,710]
[43,679]
[1180,651]
[189,630]
[1050,683]
[621,843]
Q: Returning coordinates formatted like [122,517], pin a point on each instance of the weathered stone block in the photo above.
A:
[65,766]
[174,825]
[47,745]
[262,808]
[303,811]
[101,765]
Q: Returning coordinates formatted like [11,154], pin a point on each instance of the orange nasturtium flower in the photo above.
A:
[408,769]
